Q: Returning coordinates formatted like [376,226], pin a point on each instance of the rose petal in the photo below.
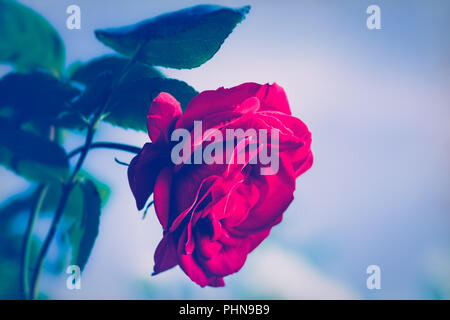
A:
[165,255]
[304,164]
[162,196]
[206,246]
[228,260]
[256,239]
[273,97]
[276,193]
[143,170]
[234,207]
[190,266]
[214,101]
[195,197]
[253,239]
[164,111]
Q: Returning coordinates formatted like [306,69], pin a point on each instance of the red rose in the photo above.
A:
[215,214]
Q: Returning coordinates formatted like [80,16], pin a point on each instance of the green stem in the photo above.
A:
[40,261]
[85,148]
[67,187]
[107,145]
[39,199]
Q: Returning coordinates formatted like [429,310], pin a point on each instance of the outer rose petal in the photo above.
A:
[143,170]
[164,110]
[190,266]
[304,164]
[256,239]
[161,196]
[228,260]
[272,97]
[165,255]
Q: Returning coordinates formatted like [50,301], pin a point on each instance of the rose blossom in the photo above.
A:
[214,215]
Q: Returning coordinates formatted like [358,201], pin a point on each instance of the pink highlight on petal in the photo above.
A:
[164,111]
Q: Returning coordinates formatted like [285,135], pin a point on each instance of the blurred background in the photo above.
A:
[378,105]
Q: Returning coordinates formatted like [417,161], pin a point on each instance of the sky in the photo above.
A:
[377,104]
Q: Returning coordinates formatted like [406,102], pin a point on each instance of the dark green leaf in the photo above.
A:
[37,96]
[103,189]
[89,72]
[132,94]
[98,76]
[15,206]
[83,233]
[31,156]
[28,41]
[182,39]
[96,94]
[74,207]
[72,212]
[131,101]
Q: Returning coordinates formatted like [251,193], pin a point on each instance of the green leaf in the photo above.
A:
[83,233]
[28,41]
[30,155]
[133,93]
[98,76]
[14,206]
[90,71]
[74,207]
[37,96]
[103,189]
[95,95]
[182,39]
[131,101]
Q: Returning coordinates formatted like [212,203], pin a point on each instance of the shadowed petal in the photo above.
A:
[143,170]
[162,196]
[165,255]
